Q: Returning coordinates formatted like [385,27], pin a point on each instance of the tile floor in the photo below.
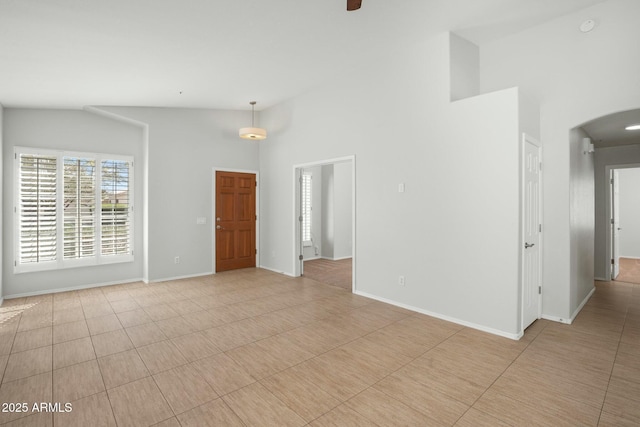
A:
[254,348]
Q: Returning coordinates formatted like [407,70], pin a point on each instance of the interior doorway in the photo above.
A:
[624,235]
[324,212]
[235,220]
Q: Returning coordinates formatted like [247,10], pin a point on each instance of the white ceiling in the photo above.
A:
[221,53]
[609,131]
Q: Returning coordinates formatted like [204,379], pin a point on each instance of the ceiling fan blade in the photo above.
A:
[354,4]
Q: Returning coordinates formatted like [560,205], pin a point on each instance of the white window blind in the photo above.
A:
[115,222]
[72,209]
[37,207]
[306,208]
[79,207]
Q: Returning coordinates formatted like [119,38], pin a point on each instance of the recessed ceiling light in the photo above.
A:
[633,127]
[587,25]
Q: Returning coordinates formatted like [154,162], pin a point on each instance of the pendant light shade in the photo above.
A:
[252,132]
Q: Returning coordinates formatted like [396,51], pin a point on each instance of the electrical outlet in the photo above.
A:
[401,280]
[176,260]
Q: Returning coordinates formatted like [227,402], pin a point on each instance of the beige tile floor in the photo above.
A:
[254,348]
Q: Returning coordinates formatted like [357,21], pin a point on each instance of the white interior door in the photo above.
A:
[615,224]
[531,268]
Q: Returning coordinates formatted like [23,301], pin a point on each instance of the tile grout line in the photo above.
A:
[500,376]
[613,365]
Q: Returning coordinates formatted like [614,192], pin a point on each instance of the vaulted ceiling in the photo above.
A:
[221,53]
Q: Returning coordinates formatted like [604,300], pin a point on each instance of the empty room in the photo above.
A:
[323,213]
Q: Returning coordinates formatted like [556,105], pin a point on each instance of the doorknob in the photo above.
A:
[218,227]
[528,245]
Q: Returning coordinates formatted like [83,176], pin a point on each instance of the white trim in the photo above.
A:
[296,228]
[443,317]
[575,313]
[73,288]
[339,258]
[629,257]
[213,211]
[60,262]
[286,273]
[601,279]
[582,304]
[607,218]
[557,319]
[187,276]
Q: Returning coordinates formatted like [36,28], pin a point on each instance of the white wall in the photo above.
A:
[575,77]
[465,68]
[328,224]
[630,212]
[613,156]
[582,208]
[74,131]
[342,231]
[459,161]
[315,250]
[336,218]
[1,202]
[184,147]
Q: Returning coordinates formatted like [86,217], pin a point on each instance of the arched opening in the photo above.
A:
[615,148]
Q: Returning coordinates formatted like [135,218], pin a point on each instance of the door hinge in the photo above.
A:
[611,181]
[300,218]
[540,165]
[256,183]
[300,257]
[539,290]
[539,228]
[256,252]
[612,221]
[612,261]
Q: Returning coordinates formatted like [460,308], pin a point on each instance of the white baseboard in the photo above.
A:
[335,259]
[188,276]
[600,279]
[556,319]
[72,288]
[443,317]
[278,271]
[582,304]
[629,257]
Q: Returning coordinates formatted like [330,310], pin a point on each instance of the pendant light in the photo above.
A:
[253,132]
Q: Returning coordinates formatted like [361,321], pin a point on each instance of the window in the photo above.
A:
[306,209]
[72,209]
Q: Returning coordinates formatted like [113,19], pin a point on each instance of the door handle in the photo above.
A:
[218,227]
[528,245]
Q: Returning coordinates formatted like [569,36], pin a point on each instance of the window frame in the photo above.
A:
[60,262]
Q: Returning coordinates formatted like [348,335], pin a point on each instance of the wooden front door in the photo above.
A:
[235,220]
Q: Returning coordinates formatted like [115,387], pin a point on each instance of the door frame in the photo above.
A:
[213,211]
[296,213]
[529,139]
[608,197]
